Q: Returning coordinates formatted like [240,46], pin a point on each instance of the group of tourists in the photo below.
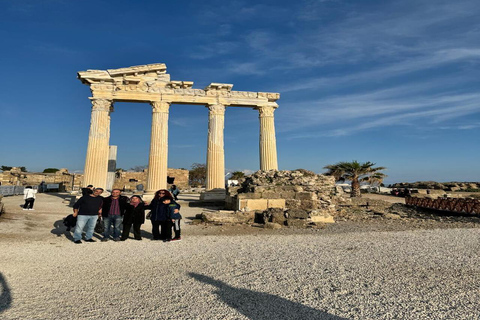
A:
[120,214]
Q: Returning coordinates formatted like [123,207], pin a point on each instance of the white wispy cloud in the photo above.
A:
[397,63]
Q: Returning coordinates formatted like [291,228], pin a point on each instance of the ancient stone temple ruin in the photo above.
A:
[152,84]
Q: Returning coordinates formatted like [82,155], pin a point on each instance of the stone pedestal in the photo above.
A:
[112,166]
[96,163]
[158,159]
[268,142]
[215,151]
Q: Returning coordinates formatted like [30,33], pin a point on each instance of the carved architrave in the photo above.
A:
[265,111]
[216,109]
[148,82]
[102,105]
[160,106]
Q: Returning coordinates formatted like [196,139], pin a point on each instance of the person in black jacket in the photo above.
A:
[88,190]
[160,216]
[87,210]
[113,211]
[134,215]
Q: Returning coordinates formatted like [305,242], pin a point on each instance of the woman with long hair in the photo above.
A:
[160,216]
[134,215]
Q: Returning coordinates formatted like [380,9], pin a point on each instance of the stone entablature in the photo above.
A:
[148,83]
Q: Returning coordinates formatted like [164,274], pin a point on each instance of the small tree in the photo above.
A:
[356,173]
[5,168]
[51,170]
[237,175]
[198,174]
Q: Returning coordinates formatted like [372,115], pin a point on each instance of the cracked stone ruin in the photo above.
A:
[298,198]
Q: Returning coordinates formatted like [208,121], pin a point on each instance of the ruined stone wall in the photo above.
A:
[65,179]
[298,189]
[130,180]
[16,177]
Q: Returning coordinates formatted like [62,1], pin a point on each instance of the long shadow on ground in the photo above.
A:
[59,229]
[258,305]
[5,297]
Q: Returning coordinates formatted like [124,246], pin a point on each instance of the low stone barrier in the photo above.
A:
[458,205]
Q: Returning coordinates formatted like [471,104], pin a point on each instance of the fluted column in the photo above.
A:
[215,151]
[96,162]
[158,159]
[268,142]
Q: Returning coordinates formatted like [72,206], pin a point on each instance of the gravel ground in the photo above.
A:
[334,273]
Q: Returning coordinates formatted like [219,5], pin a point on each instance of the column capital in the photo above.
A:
[102,104]
[160,106]
[216,109]
[266,110]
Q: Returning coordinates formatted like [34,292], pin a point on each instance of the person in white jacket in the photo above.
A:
[29,196]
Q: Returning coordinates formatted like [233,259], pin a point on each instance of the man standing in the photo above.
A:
[87,210]
[113,210]
[88,190]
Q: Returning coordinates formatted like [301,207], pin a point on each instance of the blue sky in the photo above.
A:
[393,82]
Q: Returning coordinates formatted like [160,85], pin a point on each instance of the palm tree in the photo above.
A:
[357,173]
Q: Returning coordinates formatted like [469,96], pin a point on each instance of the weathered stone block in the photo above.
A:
[284,188]
[306,196]
[309,204]
[257,204]
[292,204]
[297,214]
[228,217]
[322,219]
[249,196]
[278,217]
[259,189]
[276,203]
[242,204]
[287,195]
[270,195]
[298,223]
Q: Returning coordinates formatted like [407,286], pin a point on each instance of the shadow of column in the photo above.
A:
[258,305]
[5,297]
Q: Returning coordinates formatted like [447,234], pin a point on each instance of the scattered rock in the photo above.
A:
[392,216]
[272,225]
[297,223]
[297,214]
[228,217]
[196,221]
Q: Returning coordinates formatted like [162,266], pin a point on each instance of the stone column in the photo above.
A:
[96,163]
[215,151]
[268,142]
[112,166]
[158,159]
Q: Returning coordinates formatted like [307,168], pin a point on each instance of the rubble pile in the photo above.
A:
[298,198]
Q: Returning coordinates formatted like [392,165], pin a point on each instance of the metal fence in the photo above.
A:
[458,205]
[11,190]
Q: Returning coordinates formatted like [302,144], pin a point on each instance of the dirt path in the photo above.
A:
[384,197]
